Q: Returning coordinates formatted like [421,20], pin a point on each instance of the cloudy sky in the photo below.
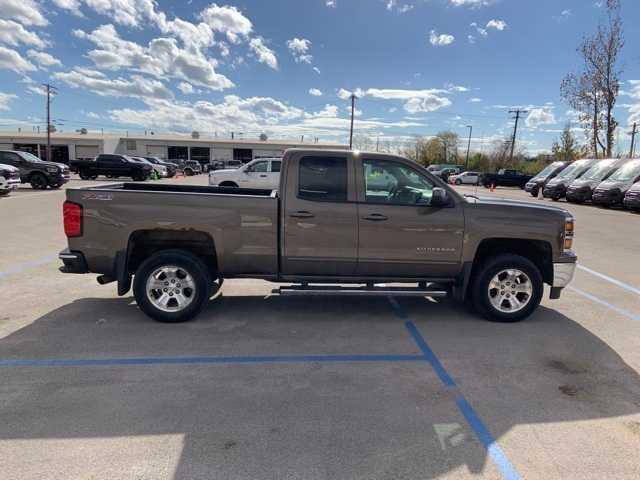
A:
[287,67]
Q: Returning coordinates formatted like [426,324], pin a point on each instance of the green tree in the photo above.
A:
[566,148]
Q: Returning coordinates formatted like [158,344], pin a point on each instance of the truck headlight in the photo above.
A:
[569,229]
[52,170]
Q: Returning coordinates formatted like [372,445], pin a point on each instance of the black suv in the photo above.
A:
[113,166]
[37,172]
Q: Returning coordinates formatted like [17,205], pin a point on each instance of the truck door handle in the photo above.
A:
[375,217]
[263,176]
[301,214]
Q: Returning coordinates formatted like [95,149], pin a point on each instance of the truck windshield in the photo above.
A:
[29,157]
[548,170]
[573,170]
[599,170]
[628,172]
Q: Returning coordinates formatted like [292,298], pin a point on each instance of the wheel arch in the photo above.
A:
[539,252]
[144,243]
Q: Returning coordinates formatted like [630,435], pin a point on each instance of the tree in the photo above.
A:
[594,91]
[441,148]
[566,148]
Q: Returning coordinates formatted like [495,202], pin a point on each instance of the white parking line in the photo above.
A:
[610,280]
[604,303]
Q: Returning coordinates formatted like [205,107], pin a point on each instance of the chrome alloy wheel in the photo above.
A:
[510,291]
[170,288]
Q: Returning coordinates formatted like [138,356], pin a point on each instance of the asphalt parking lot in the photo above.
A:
[263,387]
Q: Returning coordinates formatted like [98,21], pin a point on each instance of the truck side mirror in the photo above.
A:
[439,197]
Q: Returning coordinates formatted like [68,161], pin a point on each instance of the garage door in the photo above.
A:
[87,151]
[159,151]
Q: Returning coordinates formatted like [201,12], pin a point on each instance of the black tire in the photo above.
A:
[534,192]
[186,262]
[480,295]
[38,181]
[458,182]
[84,175]
[136,177]
[229,184]
[4,193]
[188,172]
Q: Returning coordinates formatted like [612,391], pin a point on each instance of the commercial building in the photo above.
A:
[66,146]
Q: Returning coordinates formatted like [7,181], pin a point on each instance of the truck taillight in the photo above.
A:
[72,218]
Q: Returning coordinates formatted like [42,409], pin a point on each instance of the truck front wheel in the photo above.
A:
[172,286]
[507,288]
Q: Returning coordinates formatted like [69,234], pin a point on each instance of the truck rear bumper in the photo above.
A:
[73,262]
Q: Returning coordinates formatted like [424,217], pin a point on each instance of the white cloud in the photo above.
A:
[12,60]
[330,3]
[315,92]
[27,12]
[497,24]
[136,86]
[317,70]
[44,59]
[440,40]
[481,31]
[414,100]
[392,5]
[5,99]
[456,88]
[299,48]
[227,20]
[345,94]
[93,115]
[185,88]
[161,58]
[428,104]
[263,53]
[475,100]
[470,3]
[540,116]
[13,33]
[634,109]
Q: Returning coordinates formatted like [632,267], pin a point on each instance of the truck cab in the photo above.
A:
[259,173]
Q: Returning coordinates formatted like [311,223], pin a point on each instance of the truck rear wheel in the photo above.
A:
[172,286]
[38,181]
[507,288]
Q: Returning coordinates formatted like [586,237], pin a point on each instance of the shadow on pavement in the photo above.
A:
[307,420]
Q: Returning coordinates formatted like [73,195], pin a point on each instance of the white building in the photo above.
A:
[65,146]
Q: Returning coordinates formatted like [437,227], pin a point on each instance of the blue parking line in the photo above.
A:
[64,362]
[483,434]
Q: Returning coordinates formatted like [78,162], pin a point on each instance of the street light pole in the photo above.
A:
[466,162]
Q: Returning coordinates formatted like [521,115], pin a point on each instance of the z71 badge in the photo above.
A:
[97,196]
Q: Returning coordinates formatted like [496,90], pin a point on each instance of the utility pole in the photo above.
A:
[466,162]
[378,142]
[633,134]
[518,112]
[50,90]
[353,108]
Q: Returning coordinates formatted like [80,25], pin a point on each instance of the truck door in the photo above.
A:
[256,175]
[400,234]
[319,216]
[274,174]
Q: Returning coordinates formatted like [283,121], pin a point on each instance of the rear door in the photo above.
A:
[400,234]
[319,215]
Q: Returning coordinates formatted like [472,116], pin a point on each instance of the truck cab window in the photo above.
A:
[393,183]
[323,179]
[259,167]
[275,166]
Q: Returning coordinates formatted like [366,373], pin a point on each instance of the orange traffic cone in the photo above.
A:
[493,187]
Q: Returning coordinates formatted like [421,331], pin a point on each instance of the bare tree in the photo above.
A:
[593,92]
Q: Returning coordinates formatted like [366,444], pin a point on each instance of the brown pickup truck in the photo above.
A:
[345,223]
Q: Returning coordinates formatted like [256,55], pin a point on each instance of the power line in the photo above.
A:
[518,112]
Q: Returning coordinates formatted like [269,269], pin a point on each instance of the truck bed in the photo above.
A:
[241,224]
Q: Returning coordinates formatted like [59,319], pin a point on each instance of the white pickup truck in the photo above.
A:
[259,173]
